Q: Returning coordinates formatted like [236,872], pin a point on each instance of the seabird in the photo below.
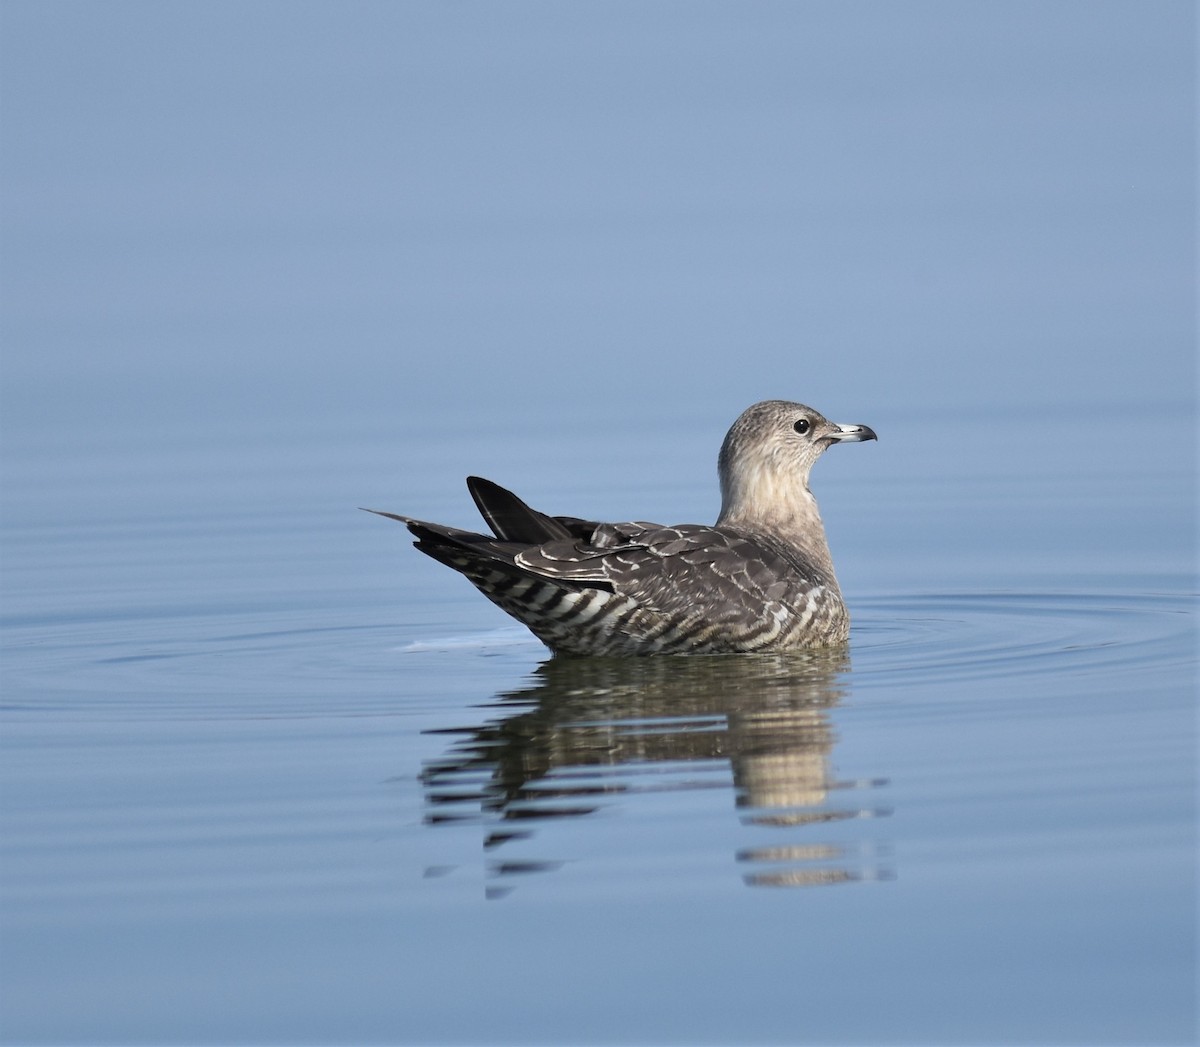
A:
[759,579]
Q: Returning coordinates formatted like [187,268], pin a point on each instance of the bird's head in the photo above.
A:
[768,454]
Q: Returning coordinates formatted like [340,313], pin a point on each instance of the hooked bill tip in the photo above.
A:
[854,434]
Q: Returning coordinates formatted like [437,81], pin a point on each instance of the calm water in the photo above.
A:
[269,775]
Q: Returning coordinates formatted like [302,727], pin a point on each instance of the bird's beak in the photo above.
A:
[852,434]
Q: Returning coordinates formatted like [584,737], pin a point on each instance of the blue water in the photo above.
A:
[271,776]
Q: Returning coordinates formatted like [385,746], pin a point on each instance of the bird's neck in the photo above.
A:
[781,508]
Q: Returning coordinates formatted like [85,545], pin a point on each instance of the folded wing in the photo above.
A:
[728,579]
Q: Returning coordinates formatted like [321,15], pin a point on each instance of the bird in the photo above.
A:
[760,579]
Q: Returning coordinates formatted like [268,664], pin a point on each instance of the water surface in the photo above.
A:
[274,771]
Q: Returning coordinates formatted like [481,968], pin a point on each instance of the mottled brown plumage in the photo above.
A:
[760,579]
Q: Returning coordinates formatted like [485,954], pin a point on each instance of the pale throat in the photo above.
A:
[778,502]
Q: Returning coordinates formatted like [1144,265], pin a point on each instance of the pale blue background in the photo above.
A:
[219,212]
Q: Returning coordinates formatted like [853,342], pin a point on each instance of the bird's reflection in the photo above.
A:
[587,728]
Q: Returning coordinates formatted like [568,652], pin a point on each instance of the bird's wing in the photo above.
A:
[512,520]
[720,574]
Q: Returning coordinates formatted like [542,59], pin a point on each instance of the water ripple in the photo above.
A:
[967,636]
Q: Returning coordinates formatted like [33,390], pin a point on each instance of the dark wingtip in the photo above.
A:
[510,519]
[480,487]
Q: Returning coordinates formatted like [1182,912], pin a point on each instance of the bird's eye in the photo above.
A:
[802,426]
